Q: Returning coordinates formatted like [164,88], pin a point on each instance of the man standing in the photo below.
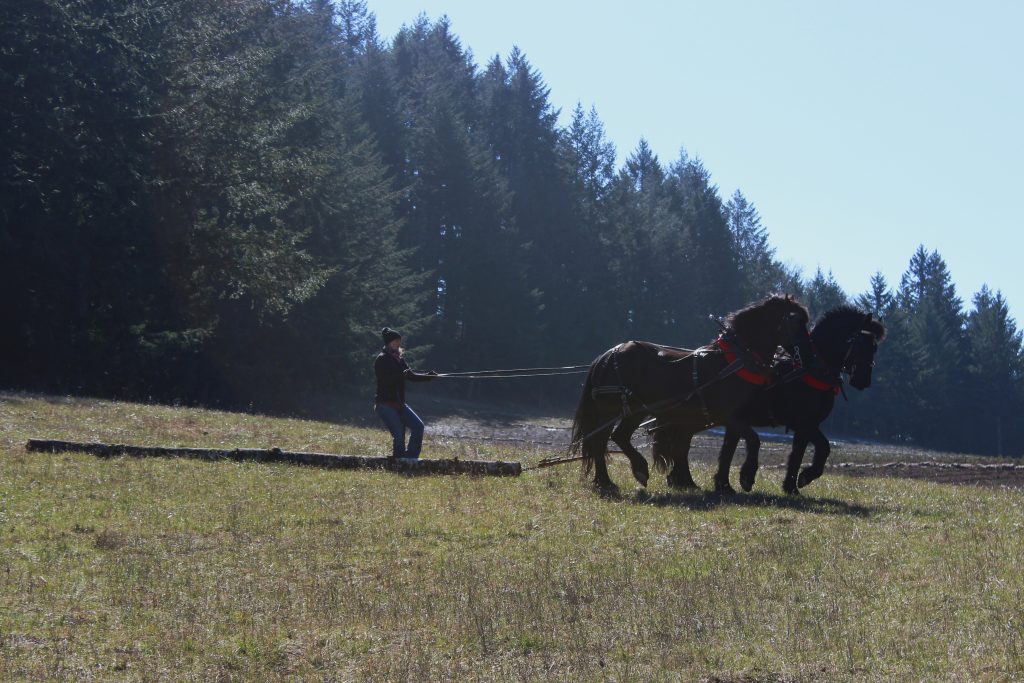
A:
[392,371]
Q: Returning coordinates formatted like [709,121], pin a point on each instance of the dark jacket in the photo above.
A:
[391,375]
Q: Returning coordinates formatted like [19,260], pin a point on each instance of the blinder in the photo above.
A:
[860,357]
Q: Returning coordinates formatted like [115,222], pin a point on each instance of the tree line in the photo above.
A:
[222,203]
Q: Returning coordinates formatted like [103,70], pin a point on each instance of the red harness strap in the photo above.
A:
[744,373]
[816,382]
[819,384]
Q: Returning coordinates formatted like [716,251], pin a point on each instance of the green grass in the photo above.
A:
[174,569]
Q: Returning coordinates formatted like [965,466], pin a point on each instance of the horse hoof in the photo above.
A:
[642,477]
[790,488]
[805,478]
[724,489]
[606,489]
[747,481]
[684,485]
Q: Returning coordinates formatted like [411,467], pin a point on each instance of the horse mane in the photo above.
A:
[837,324]
[750,315]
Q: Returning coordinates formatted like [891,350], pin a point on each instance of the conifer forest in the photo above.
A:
[222,203]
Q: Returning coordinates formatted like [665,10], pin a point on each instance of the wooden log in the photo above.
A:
[408,466]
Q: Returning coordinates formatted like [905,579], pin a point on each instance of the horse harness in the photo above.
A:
[817,375]
[620,389]
[740,360]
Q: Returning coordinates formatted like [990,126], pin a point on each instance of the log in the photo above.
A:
[329,460]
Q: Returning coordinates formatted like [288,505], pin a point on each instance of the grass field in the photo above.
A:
[172,569]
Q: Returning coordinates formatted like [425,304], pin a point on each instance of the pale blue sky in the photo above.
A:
[859,129]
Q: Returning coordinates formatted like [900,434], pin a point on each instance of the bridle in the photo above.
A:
[824,377]
[862,337]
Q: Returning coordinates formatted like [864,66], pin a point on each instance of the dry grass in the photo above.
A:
[166,569]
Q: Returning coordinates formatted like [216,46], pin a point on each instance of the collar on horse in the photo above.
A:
[750,366]
[818,376]
[815,382]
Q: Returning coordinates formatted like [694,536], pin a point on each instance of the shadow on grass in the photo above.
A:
[707,500]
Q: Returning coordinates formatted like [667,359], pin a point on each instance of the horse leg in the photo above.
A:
[621,437]
[749,470]
[680,476]
[796,456]
[732,438]
[595,449]
[822,448]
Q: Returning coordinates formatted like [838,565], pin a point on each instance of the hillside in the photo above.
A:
[170,569]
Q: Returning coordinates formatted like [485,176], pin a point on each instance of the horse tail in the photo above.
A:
[583,421]
[661,445]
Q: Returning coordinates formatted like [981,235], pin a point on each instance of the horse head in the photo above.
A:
[847,338]
[779,320]
[860,360]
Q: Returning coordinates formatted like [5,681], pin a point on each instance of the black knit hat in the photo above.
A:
[389,335]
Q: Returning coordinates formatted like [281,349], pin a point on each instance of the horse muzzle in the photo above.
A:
[860,377]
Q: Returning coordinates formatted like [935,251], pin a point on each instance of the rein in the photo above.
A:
[517,372]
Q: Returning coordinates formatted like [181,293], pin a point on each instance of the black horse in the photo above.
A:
[637,380]
[845,339]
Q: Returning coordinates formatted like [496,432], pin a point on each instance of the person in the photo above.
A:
[392,371]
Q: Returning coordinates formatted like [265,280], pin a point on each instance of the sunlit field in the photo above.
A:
[174,569]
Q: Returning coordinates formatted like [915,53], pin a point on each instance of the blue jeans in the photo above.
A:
[397,421]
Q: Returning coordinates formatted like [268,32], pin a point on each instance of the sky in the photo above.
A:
[859,130]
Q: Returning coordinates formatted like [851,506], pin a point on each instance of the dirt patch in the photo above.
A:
[980,474]
[550,437]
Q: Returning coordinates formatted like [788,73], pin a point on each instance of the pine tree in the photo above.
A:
[879,299]
[639,210]
[823,293]
[81,87]
[588,159]
[704,265]
[759,271]
[456,205]
[521,128]
[996,375]
[883,411]
[932,329]
[350,208]
[927,279]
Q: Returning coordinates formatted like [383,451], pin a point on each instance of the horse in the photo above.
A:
[843,340]
[636,380]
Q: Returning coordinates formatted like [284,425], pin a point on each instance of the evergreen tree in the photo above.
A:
[760,273]
[639,207]
[879,299]
[590,158]
[348,205]
[927,279]
[996,375]
[521,131]
[704,264]
[823,293]
[589,162]
[933,332]
[81,88]
[883,412]
[372,81]
[456,206]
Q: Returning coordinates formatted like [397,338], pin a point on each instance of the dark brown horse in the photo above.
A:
[844,340]
[636,380]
